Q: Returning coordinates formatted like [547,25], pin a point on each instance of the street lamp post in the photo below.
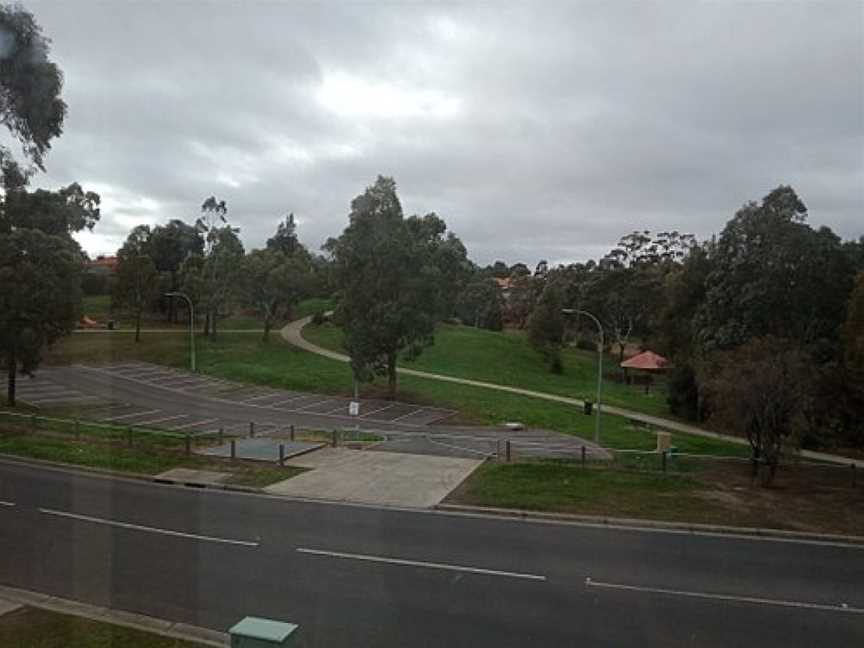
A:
[577,311]
[191,323]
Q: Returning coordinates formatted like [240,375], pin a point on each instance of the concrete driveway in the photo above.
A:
[383,478]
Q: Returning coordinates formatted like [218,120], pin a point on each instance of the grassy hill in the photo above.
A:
[506,358]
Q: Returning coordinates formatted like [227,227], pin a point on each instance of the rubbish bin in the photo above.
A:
[255,632]
[588,408]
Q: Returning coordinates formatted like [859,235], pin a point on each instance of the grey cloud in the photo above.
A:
[574,122]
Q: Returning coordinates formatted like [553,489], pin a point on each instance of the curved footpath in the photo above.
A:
[293,334]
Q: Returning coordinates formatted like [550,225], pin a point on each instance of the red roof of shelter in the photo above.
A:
[646,360]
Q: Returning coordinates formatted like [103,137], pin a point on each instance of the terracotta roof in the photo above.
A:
[646,360]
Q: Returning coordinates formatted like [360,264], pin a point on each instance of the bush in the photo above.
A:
[319,318]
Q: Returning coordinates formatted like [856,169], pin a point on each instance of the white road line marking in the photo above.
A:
[726,597]
[193,424]
[418,563]
[125,416]
[138,527]
[4,503]
[162,420]
[379,410]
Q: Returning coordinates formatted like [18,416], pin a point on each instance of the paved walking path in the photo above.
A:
[293,334]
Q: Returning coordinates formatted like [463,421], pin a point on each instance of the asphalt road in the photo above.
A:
[356,576]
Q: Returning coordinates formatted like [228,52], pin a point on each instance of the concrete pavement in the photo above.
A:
[382,478]
[361,576]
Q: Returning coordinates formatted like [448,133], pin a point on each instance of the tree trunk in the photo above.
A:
[13,371]
[391,374]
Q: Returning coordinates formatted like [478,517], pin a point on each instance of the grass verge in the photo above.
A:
[36,628]
[802,499]
[142,458]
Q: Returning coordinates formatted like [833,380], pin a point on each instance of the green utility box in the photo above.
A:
[254,632]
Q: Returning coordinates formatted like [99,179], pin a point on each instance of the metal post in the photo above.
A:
[507,450]
[281,454]
[251,428]
[600,345]
[291,432]
[233,448]
[188,443]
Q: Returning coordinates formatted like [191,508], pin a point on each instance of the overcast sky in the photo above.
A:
[536,130]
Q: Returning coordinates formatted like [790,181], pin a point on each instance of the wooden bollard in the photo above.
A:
[335,440]
[507,450]
[281,454]
[221,435]
[233,448]
[251,428]
[291,432]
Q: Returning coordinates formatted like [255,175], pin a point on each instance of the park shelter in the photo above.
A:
[648,362]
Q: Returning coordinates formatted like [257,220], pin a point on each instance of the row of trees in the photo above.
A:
[207,262]
[763,324]
[40,262]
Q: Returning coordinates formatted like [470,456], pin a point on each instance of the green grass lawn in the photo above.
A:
[506,358]
[36,628]
[246,358]
[707,492]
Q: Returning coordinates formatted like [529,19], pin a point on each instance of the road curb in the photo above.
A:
[637,524]
[107,472]
[173,629]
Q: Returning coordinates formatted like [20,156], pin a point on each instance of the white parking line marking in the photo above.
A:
[307,405]
[193,424]
[133,414]
[255,398]
[726,597]
[290,400]
[162,420]
[3,503]
[138,527]
[379,409]
[418,563]
[342,408]
[411,413]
